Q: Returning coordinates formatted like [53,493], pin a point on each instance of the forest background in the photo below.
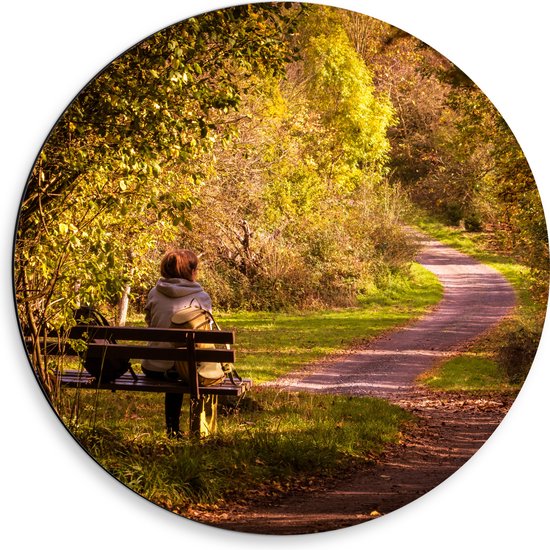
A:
[289,145]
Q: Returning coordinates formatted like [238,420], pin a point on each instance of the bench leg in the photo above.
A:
[203,415]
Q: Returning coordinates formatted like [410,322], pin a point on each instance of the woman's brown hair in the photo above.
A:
[179,264]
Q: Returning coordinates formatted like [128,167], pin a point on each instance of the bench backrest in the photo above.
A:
[133,343]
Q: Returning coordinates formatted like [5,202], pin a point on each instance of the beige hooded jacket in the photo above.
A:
[166,298]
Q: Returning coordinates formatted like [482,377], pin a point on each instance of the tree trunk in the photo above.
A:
[123,302]
[122,309]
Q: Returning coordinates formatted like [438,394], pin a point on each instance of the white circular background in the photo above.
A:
[53,494]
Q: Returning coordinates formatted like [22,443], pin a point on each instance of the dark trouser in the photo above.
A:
[172,401]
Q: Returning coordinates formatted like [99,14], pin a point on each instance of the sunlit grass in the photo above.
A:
[272,344]
[468,372]
[275,441]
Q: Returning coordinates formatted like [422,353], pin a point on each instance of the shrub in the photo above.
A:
[517,352]
[472,222]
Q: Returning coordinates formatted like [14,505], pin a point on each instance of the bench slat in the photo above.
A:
[120,351]
[126,382]
[152,334]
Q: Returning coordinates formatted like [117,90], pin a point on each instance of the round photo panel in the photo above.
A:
[281,268]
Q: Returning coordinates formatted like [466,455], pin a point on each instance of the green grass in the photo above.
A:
[468,372]
[274,442]
[272,344]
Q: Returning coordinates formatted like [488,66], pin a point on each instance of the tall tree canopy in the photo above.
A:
[451,149]
[309,218]
[120,169]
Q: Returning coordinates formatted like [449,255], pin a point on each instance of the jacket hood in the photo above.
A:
[178,288]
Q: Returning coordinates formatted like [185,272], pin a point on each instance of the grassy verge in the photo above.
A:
[500,360]
[469,372]
[273,443]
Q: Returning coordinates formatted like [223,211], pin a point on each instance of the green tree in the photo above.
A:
[451,149]
[506,198]
[122,167]
[278,217]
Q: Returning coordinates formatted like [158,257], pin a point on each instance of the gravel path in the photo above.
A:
[475,298]
[449,431]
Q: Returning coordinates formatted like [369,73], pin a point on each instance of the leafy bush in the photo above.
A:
[472,222]
[517,351]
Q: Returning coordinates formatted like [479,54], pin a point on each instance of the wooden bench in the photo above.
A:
[132,343]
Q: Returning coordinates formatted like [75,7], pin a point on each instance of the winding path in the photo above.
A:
[476,297]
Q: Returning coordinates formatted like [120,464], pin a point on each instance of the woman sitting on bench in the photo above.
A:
[176,289]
